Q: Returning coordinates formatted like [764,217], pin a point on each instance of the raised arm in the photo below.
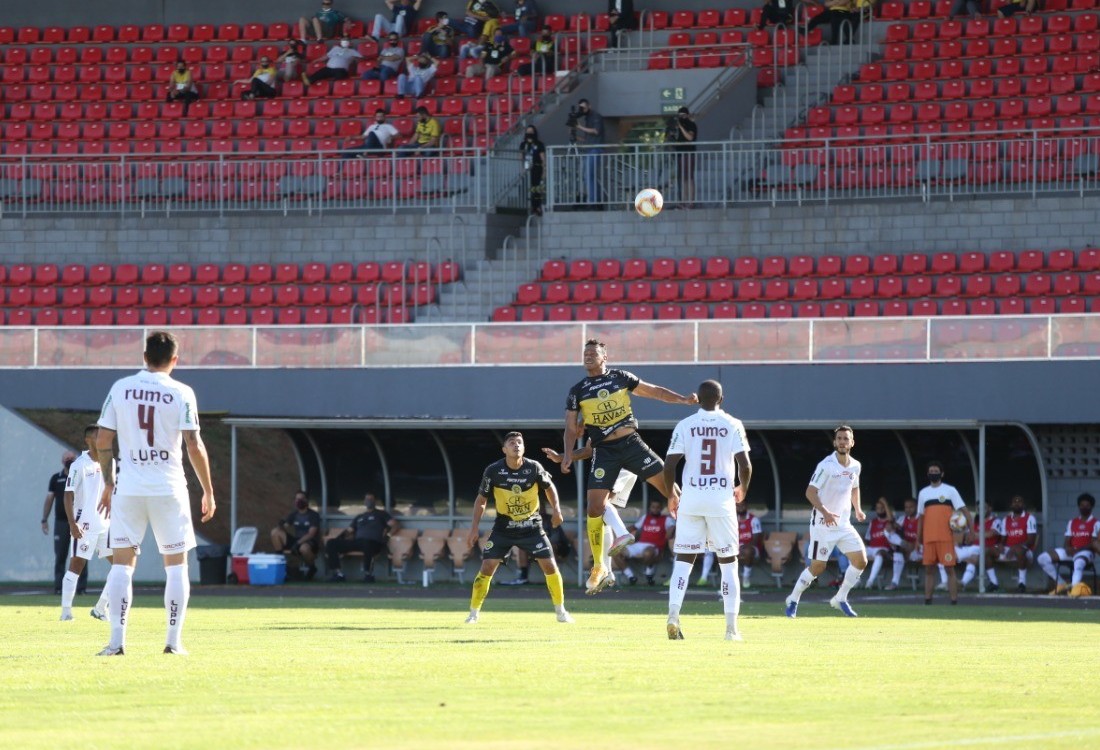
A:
[660,393]
[200,462]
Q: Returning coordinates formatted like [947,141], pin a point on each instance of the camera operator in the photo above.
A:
[534,161]
[586,129]
[682,131]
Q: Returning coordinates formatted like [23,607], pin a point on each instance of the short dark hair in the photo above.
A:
[710,392]
[1087,498]
[303,493]
[596,343]
[421,110]
[89,429]
[512,434]
[584,101]
[842,428]
[934,464]
[683,111]
[160,347]
[441,14]
[379,111]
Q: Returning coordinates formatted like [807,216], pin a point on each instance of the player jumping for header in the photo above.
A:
[602,399]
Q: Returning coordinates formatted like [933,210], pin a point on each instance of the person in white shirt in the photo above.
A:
[87,525]
[715,451]
[834,493]
[153,415]
[377,137]
[338,62]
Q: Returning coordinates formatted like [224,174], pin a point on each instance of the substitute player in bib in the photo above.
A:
[88,526]
[1020,531]
[834,493]
[880,548]
[935,505]
[1081,532]
[152,414]
[602,402]
[970,553]
[514,482]
[715,452]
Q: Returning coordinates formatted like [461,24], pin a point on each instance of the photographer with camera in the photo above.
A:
[586,130]
[534,162]
[682,131]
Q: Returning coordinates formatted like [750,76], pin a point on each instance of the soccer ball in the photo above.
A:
[649,202]
[957,522]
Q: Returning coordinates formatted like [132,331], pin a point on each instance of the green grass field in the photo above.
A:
[271,672]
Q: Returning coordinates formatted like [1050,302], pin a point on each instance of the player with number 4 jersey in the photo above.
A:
[153,415]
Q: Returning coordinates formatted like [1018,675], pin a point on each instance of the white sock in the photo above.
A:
[1047,565]
[851,578]
[708,566]
[992,574]
[177,590]
[68,590]
[608,540]
[628,572]
[731,594]
[876,566]
[611,518]
[969,573]
[943,575]
[746,573]
[120,593]
[650,570]
[101,605]
[1078,570]
[1021,575]
[899,566]
[677,587]
[802,584]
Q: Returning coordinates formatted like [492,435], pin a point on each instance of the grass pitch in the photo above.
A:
[272,672]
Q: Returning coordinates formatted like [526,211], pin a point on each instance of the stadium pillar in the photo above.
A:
[582,520]
[321,472]
[775,473]
[909,462]
[981,508]
[232,480]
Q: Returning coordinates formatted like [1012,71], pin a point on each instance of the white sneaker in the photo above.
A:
[746,583]
[941,587]
[66,616]
[471,619]
[565,617]
[109,651]
[733,635]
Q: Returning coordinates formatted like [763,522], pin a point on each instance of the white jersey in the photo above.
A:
[85,481]
[835,484]
[708,441]
[150,411]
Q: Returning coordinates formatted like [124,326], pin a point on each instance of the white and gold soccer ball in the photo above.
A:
[649,203]
[957,522]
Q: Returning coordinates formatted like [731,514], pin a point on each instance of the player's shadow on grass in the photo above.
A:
[356,627]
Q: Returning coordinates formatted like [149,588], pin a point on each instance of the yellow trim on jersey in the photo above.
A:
[607,409]
[515,502]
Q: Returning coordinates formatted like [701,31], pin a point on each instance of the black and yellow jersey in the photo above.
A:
[515,492]
[604,403]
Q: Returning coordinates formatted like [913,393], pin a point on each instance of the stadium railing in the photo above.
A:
[863,340]
[922,168]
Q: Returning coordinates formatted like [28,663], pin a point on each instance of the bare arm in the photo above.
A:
[969,517]
[200,462]
[671,462]
[46,508]
[860,515]
[570,440]
[815,501]
[105,455]
[660,393]
[920,530]
[744,475]
[74,530]
[394,525]
[581,455]
[553,501]
[479,510]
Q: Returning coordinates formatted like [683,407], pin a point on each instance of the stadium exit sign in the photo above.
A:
[672,98]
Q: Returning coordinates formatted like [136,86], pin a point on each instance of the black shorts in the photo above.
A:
[631,453]
[532,541]
[292,544]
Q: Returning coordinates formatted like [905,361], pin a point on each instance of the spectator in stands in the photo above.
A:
[338,61]
[652,531]
[482,17]
[472,49]
[621,15]
[390,59]
[181,86]
[404,14]
[419,72]
[291,61]
[1081,536]
[589,132]
[542,55]
[526,17]
[300,533]
[973,7]
[367,534]
[1019,530]
[534,162]
[494,57]
[426,138]
[377,137]
[438,39]
[838,14]
[326,23]
[776,12]
[683,132]
[262,83]
[1016,6]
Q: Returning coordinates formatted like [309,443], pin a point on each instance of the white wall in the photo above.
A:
[28,456]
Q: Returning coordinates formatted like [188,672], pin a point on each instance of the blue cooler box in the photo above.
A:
[266,570]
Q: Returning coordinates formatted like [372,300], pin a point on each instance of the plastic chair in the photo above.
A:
[432,544]
[401,546]
[779,546]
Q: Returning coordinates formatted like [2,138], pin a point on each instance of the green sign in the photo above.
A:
[672,98]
